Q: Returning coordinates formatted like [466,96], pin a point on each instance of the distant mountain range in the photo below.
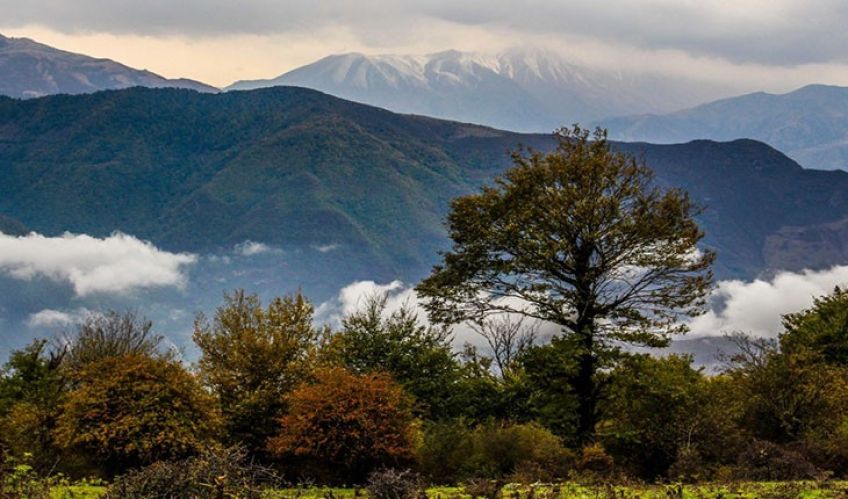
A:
[523,90]
[810,124]
[300,170]
[30,69]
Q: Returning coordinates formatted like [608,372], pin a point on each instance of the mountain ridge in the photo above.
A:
[809,124]
[298,169]
[518,89]
[31,69]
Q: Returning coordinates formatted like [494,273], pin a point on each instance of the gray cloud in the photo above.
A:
[772,32]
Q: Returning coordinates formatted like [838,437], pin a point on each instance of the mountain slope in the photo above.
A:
[300,170]
[517,89]
[810,124]
[30,69]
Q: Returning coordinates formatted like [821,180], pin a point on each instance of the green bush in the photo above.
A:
[444,450]
[595,463]
[450,452]
[18,479]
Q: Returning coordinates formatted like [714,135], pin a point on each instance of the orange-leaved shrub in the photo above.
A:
[343,426]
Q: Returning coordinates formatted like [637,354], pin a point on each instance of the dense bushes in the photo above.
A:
[354,409]
[452,452]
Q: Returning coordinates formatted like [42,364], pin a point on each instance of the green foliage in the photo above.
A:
[545,384]
[418,357]
[444,450]
[823,328]
[252,357]
[653,411]
[18,479]
[582,238]
[31,386]
[112,402]
[451,452]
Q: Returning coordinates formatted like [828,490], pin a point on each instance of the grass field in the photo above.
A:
[765,490]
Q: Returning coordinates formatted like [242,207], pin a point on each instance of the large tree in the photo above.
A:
[581,237]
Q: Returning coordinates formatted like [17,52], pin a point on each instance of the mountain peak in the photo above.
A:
[524,89]
[32,69]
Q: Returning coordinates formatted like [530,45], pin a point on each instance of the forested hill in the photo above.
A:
[300,170]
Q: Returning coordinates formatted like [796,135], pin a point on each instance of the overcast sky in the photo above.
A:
[768,44]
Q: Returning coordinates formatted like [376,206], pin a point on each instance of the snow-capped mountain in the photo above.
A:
[526,90]
[31,69]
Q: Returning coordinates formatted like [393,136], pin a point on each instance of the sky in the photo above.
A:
[773,45]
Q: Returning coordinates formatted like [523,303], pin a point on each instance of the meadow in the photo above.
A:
[737,490]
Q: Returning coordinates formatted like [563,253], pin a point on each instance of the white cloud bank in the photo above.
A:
[115,264]
[755,307]
[352,298]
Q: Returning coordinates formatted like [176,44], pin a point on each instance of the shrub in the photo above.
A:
[644,440]
[764,460]
[214,473]
[135,410]
[18,480]
[444,451]
[528,452]
[689,467]
[344,426]
[501,450]
[393,484]
[482,487]
[595,463]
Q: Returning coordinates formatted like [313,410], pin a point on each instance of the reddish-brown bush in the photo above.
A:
[344,426]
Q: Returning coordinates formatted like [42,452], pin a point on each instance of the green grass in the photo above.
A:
[77,492]
[804,490]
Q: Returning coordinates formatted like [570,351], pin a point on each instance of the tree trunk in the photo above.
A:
[584,384]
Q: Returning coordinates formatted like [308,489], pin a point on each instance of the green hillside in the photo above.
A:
[299,169]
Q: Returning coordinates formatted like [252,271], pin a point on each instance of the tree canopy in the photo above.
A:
[580,237]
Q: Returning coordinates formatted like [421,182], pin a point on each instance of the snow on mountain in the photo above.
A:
[526,90]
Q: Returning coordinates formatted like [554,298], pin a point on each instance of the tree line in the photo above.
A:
[580,238]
